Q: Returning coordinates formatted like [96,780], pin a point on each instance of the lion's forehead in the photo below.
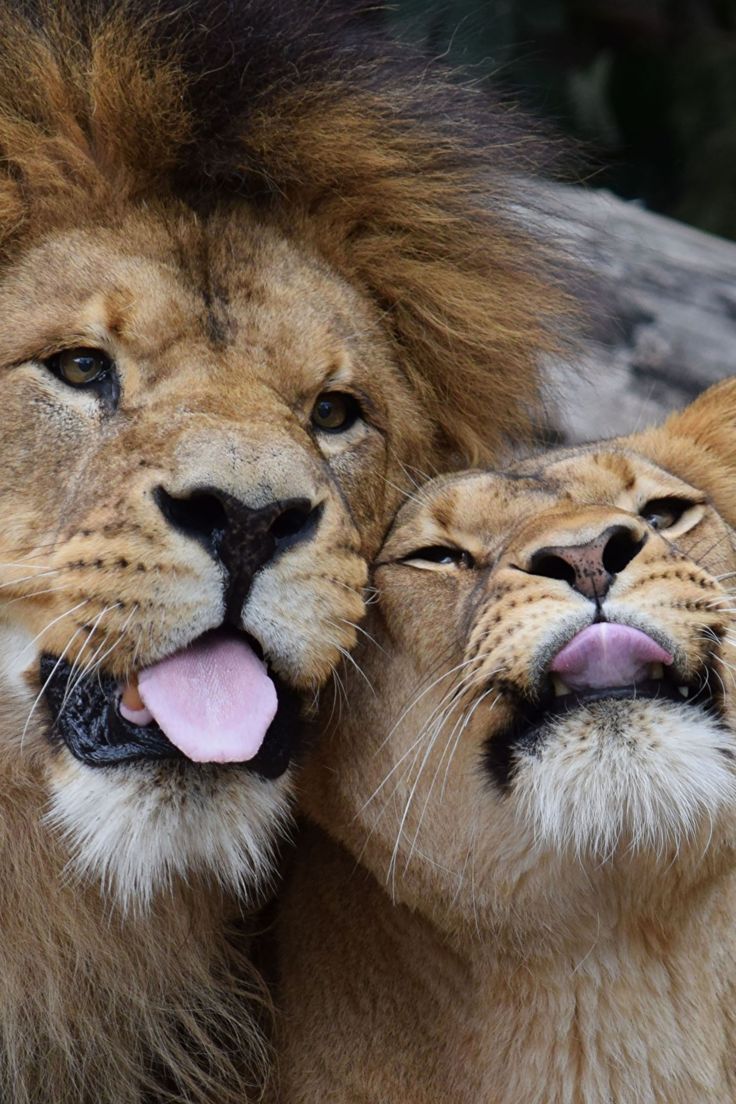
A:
[185,302]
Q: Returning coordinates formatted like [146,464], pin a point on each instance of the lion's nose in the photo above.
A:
[241,538]
[590,568]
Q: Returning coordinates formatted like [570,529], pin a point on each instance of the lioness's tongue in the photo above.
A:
[608,655]
[214,700]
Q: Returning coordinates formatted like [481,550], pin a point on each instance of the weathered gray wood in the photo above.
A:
[665,306]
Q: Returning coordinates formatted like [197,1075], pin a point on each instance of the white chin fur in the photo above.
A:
[136,829]
[636,777]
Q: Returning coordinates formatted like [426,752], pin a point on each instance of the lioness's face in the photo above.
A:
[202,438]
[554,691]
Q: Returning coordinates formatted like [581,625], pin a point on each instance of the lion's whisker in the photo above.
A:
[50,624]
[46,684]
[71,682]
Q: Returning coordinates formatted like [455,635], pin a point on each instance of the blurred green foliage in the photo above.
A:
[648,85]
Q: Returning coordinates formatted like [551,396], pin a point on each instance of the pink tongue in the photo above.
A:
[214,700]
[606,655]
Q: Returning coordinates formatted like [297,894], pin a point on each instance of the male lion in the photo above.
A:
[523,886]
[251,267]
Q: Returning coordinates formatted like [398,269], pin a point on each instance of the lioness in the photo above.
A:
[523,884]
[251,266]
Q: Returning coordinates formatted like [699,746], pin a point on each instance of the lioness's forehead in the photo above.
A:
[163,282]
[587,473]
[487,504]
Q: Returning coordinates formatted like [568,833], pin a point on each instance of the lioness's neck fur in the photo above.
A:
[520,889]
[101,1008]
[633,1006]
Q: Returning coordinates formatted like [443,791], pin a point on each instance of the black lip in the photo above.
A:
[86,719]
[527,730]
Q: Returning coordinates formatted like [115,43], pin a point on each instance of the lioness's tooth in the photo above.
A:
[656,671]
[560,688]
[684,691]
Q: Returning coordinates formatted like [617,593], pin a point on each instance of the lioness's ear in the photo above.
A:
[699,445]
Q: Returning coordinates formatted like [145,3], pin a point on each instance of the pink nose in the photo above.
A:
[604,655]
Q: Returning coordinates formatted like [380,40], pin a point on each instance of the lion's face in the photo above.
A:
[202,442]
[553,698]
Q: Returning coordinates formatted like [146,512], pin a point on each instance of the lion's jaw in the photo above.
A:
[222,337]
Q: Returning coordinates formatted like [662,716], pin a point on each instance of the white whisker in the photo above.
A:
[46,684]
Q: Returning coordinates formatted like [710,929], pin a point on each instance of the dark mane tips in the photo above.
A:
[401,178]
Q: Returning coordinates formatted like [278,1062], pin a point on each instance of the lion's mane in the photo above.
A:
[401,179]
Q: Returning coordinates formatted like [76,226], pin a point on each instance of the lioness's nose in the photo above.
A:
[590,568]
[243,539]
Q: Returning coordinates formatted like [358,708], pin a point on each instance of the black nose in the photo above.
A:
[590,568]
[241,538]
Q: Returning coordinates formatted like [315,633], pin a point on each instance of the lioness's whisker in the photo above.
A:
[362,631]
[452,741]
[435,732]
[421,695]
[347,656]
[423,733]
[445,707]
[341,696]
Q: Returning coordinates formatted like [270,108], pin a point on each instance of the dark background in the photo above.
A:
[647,86]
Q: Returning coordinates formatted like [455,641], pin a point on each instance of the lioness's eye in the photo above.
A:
[663,513]
[80,367]
[335,411]
[442,554]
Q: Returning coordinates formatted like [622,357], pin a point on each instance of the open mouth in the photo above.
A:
[214,702]
[603,662]
[611,661]
[659,683]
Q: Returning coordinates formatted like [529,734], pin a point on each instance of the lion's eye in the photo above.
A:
[335,411]
[446,555]
[80,367]
[663,513]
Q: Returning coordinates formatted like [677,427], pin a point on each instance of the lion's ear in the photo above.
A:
[699,445]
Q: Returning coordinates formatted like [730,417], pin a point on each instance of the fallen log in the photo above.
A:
[664,309]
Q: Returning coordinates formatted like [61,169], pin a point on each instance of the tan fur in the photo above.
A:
[236,251]
[564,936]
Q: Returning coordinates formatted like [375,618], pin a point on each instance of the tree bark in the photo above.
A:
[663,309]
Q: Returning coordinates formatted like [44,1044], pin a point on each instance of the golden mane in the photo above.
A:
[397,177]
[296,116]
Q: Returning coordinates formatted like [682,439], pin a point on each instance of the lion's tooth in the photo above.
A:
[684,690]
[656,671]
[131,697]
[560,687]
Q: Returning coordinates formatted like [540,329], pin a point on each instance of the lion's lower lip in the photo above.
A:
[86,718]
